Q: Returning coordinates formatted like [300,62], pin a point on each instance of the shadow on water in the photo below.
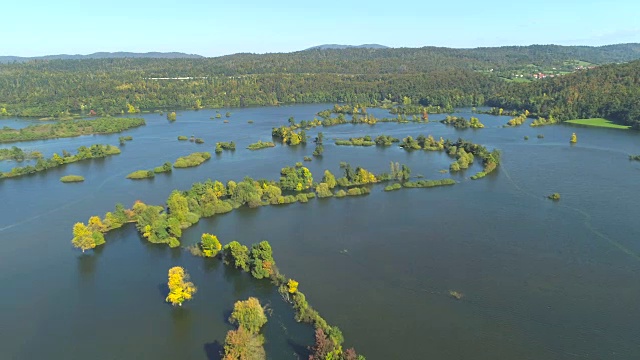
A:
[238,279]
[213,350]
[211,265]
[163,289]
[301,351]
[87,263]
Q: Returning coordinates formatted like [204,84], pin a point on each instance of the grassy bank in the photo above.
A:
[598,122]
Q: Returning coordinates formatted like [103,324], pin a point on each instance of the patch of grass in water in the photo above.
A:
[598,122]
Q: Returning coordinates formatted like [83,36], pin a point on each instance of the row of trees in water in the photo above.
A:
[184,208]
[69,128]
[246,342]
[42,164]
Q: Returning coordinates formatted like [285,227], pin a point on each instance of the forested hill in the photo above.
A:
[610,91]
[338,46]
[427,76]
[102,55]
[353,61]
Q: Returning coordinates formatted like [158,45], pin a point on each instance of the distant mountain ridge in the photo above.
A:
[341,47]
[103,55]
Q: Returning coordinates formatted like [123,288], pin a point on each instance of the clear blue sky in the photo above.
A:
[217,27]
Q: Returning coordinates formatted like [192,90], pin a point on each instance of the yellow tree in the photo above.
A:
[58,159]
[293,286]
[180,288]
[131,109]
[210,245]
[574,138]
[95,224]
[83,237]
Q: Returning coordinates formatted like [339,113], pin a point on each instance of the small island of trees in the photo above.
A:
[141,174]
[222,145]
[123,139]
[462,123]
[17,154]
[84,153]
[192,160]
[261,145]
[72,178]
[69,128]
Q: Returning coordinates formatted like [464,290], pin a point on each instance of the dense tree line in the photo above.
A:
[431,79]
[69,128]
[84,153]
[611,91]
[16,154]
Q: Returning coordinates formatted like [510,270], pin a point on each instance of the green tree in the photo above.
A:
[261,260]
[248,314]
[329,179]
[237,255]
[241,344]
[210,245]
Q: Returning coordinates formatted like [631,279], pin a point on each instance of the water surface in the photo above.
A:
[541,280]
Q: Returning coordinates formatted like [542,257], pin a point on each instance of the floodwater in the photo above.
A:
[540,279]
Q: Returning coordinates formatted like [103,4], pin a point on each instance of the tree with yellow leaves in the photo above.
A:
[210,245]
[292,286]
[82,237]
[132,109]
[180,288]
[58,159]
[95,224]
[574,138]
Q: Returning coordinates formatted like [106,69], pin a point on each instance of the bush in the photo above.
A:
[71,178]
[479,175]
[341,193]
[428,183]
[307,158]
[166,167]
[323,190]
[396,186]
[261,145]
[554,197]
[183,138]
[192,160]
[141,174]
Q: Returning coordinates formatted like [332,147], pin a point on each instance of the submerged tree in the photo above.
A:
[210,245]
[82,237]
[248,314]
[243,345]
[574,138]
[180,288]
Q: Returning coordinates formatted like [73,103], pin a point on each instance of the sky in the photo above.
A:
[214,27]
